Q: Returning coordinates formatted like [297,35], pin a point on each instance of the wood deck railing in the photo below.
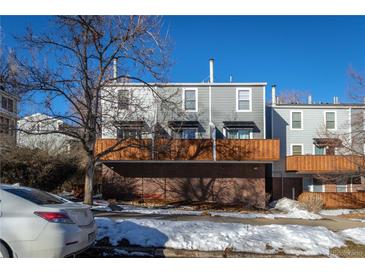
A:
[199,149]
[324,163]
[248,150]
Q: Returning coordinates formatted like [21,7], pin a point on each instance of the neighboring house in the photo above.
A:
[8,117]
[32,131]
[320,144]
[209,144]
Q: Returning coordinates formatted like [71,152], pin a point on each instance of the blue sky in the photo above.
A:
[306,53]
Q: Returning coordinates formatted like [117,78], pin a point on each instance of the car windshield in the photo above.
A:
[35,196]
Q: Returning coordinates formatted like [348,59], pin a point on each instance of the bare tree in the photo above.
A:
[293,97]
[68,72]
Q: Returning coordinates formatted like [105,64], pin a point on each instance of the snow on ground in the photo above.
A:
[294,209]
[290,212]
[335,212]
[356,235]
[210,236]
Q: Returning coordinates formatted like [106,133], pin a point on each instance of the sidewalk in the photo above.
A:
[329,222]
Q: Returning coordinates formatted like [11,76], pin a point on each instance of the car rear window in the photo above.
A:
[35,196]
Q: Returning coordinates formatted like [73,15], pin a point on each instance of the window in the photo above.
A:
[35,196]
[123,99]
[4,125]
[319,150]
[10,105]
[297,149]
[125,133]
[296,120]
[245,133]
[4,102]
[190,99]
[243,99]
[188,133]
[330,119]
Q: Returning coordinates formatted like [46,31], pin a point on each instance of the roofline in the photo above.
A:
[325,106]
[190,84]
[13,96]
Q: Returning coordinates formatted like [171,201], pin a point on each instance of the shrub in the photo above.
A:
[37,168]
[313,204]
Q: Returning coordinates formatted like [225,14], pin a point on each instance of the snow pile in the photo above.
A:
[159,211]
[356,235]
[294,213]
[210,236]
[335,212]
[294,209]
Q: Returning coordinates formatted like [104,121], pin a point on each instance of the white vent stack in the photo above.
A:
[273,95]
[211,71]
[309,99]
[115,69]
[335,100]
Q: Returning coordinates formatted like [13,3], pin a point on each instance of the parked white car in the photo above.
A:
[34,223]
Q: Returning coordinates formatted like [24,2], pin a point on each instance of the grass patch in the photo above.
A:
[351,250]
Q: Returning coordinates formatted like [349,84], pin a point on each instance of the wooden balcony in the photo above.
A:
[248,150]
[190,150]
[324,163]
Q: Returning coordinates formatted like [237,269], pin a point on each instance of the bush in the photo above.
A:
[37,168]
[313,204]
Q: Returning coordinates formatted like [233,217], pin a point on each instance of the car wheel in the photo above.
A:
[4,252]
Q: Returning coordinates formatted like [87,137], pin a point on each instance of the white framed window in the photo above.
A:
[239,133]
[123,99]
[296,120]
[330,119]
[190,99]
[296,149]
[188,133]
[243,100]
[319,150]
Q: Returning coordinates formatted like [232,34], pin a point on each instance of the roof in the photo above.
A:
[248,84]
[324,105]
[239,124]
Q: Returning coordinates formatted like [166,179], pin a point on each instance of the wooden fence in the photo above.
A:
[198,149]
[332,200]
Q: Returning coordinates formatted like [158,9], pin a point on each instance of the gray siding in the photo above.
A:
[313,127]
[223,108]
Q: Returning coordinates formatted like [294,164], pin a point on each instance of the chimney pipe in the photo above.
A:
[211,71]
[273,95]
[115,69]
[309,99]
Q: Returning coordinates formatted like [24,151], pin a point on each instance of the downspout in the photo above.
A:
[211,125]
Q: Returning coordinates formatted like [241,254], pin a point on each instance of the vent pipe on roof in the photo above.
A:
[309,99]
[273,95]
[115,69]
[211,71]
[335,100]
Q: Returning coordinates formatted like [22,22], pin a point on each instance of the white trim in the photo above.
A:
[301,118]
[325,121]
[250,98]
[319,106]
[264,104]
[248,84]
[291,148]
[196,99]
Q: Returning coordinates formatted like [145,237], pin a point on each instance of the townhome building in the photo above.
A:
[8,117]
[32,129]
[321,148]
[187,141]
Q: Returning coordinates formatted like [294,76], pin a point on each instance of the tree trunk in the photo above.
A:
[89,176]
